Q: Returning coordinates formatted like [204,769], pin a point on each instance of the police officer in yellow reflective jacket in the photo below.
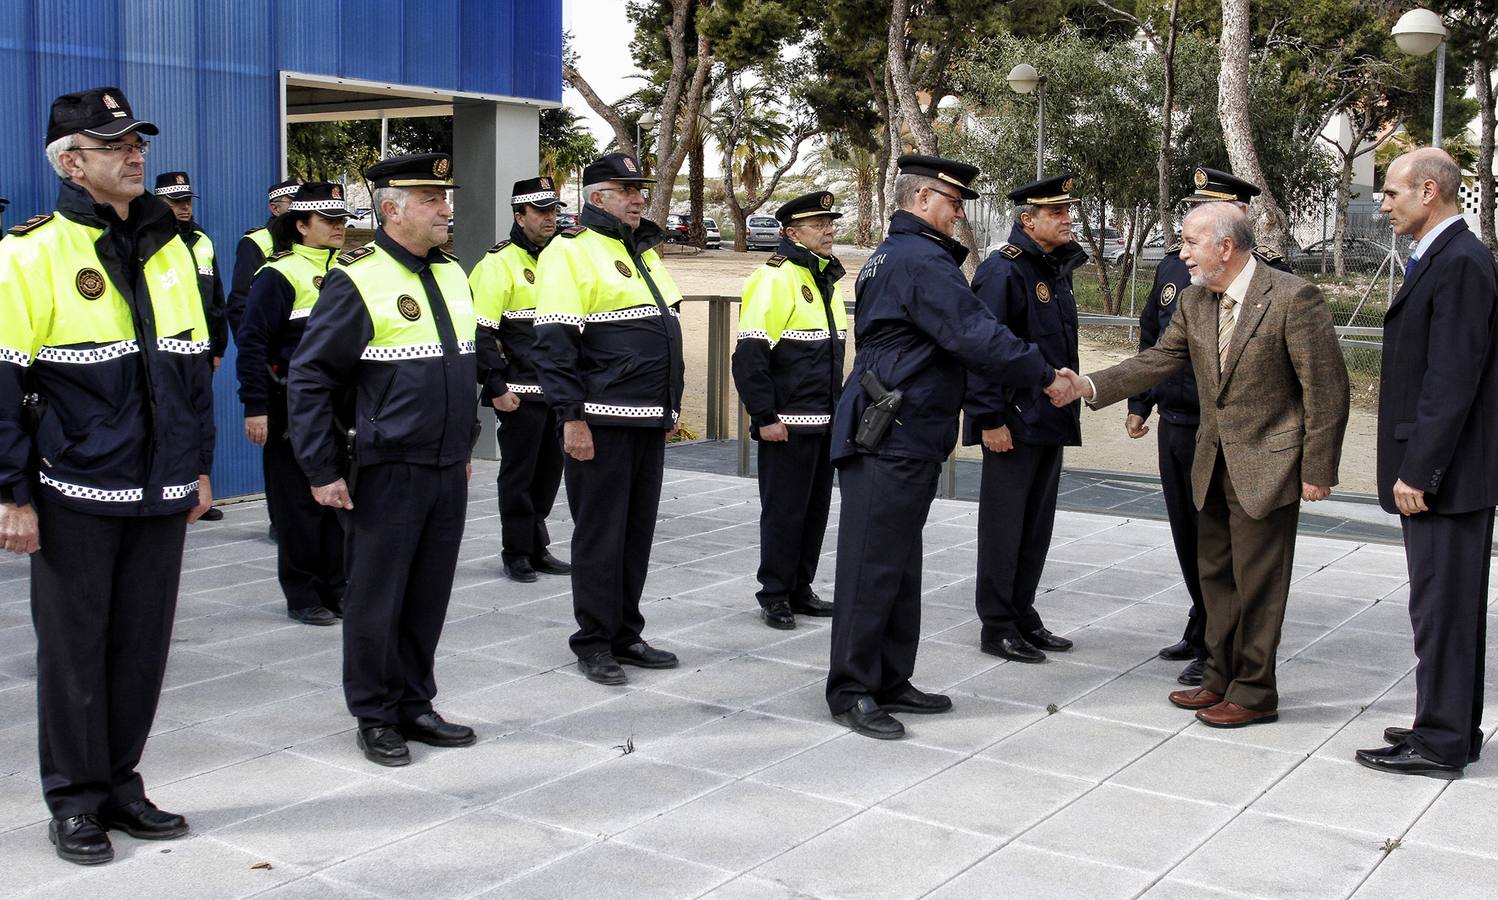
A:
[106,441]
[253,248]
[530,458]
[788,367]
[176,189]
[394,324]
[609,357]
[309,539]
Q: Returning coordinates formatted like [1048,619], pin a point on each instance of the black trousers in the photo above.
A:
[1448,558]
[407,525]
[530,471]
[876,618]
[1177,451]
[795,492]
[1246,565]
[614,498]
[103,594]
[309,538]
[1016,515]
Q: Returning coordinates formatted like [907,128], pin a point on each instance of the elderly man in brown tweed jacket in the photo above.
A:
[1274,408]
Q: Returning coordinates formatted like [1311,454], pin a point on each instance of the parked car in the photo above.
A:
[1359,255]
[762,233]
[1152,252]
[676,228]
[363,217]
[566,220]
[714,236]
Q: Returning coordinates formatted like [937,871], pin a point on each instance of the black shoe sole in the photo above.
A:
[390,762]
[916,710]
[814,613]
[1011,657]
[778,626]
[596,678]
[81,859]
[845,719]
[1441,774]
[166,835]
[1392,740]
[642,664]
[441,742]
[1189,682]
[316,623]
[522,579]
[542,571]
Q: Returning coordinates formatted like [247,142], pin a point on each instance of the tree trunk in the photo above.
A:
[1482,77]
[1167,125]
[680,107]
[896,145]
[863,229]
[1344,197]
[1237,128]
[899,78]
[696,231]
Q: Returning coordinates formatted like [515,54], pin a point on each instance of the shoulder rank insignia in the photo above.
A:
[574,231]
[281,255]
[32,223]
[1175,247]
[250,231]
[1010,251]
[452,257]
[1267,253]
[356,254]
[775,261]
[499,246]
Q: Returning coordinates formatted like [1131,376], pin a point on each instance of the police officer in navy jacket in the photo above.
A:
[1026,284]
[1438,459]
[919,329]
[1180,412]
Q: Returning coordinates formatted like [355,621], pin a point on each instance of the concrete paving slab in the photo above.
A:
[1266,856]
[987,796]
[613,795]
[855,769]
[608,871]
[1162,830]
[1414,870]
[1024,871]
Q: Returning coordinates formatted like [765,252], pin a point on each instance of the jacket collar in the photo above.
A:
[1063,260]
[635,240]
[829,267]
[1422,265]
[905,222]
[319,256]
[146,211]
[517,237]
[406,257]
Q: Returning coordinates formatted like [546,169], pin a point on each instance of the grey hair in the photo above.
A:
[396,196]
[1021,209]
[1439,168]
[1230,222]
[589,189]
[55,151]
[907,186]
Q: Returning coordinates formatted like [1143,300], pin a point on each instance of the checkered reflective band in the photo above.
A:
[619,315]
[178,491]
[91,356]
[792,334]
[173,345]
[486,322]
[15,357]
[467,346]
[286,191]
[624,412]
[560,319]
[414,351]
[520,313]
[82,492]
[756,335]
[173,190]
[804,419]
[318,206]
[532,197]
[525,389]
[302,313]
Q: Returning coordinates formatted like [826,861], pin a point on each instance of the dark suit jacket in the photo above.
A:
[1279,407]
[1438,397]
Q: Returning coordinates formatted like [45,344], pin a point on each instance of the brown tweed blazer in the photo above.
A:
[1278,409]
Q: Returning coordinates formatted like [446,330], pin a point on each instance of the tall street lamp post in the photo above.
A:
[1024,79]
[1418,32]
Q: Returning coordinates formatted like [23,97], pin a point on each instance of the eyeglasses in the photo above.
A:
[628,191]
[956,200]
[815,225]
[121,148]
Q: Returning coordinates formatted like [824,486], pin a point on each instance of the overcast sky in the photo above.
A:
[601,34]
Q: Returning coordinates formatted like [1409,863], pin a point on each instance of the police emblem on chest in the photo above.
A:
[530,277]
[1043,292]
[623,269]
[317,281]
[806,293]
[90,283]
[408,307]
[1168,294]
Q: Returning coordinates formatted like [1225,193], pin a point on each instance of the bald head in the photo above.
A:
[1421,190]
[1216,241]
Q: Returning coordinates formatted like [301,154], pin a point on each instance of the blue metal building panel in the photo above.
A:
[208,72]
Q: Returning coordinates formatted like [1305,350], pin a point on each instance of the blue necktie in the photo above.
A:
[1409,265]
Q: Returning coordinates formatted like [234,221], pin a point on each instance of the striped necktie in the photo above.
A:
[1224,329]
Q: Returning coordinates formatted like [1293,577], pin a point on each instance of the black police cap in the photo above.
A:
[540,192]
[615,167]
[417,170]
[4,202]
[1214,185]
[1053,191]
[817,203]
[282,189]
[322,197]
[173,186]
[101,113]
[958,174]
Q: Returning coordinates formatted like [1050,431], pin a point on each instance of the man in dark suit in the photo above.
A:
[1274,397]
[1438,459]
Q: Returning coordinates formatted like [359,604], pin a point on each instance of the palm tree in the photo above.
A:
[754,136]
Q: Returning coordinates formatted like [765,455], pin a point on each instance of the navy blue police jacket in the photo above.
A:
[919,328]
[1030,291]
[1176,396]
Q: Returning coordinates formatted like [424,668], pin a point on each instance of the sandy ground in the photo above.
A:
[1105,446]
